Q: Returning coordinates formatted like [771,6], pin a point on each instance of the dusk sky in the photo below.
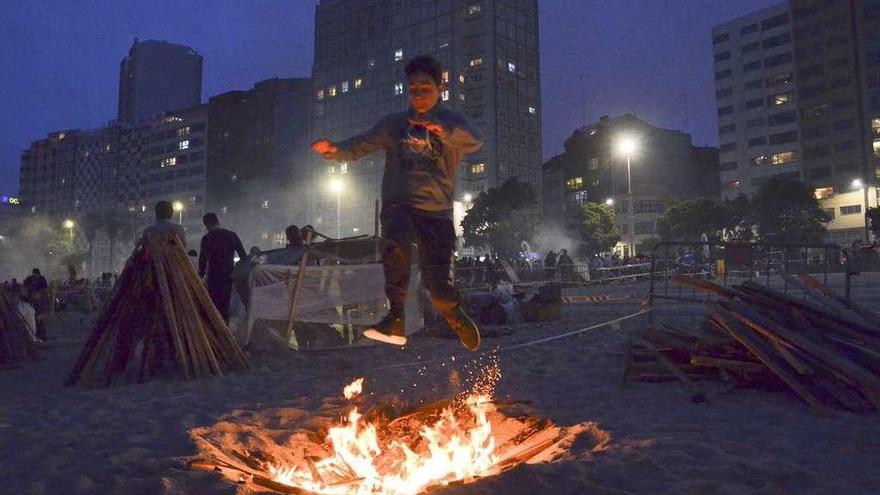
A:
[59,59]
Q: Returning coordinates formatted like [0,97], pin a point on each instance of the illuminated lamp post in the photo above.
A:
[627,146]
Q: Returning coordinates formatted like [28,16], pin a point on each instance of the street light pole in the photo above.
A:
[339,214]
[629,193]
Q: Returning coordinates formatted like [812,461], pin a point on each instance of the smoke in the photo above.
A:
[552,236]
[32,242]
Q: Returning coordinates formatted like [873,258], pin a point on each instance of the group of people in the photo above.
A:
[32,298]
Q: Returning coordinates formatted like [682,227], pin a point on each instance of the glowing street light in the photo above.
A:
[468,197]
[628,146]
[336,187]
[68,224]
[178,207]
[609,201]
[857,184]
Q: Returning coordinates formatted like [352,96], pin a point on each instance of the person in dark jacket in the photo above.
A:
[217,260]
[37,290]
[423,149]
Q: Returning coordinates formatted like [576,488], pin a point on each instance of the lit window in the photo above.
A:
[533,110]
[345,86]
[461,78]
[850,210]
[358,83]
[320,94]
[183,145]
[511,67]
[184,131]
[371,63]
[478,168]
[445,95]
[332,90]
[473,9]
[779,79]
[475,62]
[398,89]
[343,168]
[168,162]
[823,193]
[734,184]
[193,200]
[224,210]
[462,97]
[446,76]
[233,177]
[398,55]
[574,183]
[781,99]
[266,204]
[759,160]
[444,45]
[783,158]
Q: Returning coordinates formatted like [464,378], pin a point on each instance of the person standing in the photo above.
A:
[37,290]
[217,260]
[423,148]
[164,212]
[550,265]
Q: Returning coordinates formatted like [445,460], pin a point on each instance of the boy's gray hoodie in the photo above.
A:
[419,166]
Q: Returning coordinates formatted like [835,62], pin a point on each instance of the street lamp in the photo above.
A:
[858,185]
[609,201]
[628,146]
[468,197]
[336,187]
[178,207]
[69,224]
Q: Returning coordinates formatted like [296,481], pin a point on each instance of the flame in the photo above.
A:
[353,389]
[459,445]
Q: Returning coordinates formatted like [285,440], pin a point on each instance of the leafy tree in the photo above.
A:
[647,245]
[736,220]
[502,218]
[594,225]
[689,219]
[785,211]
[874,217]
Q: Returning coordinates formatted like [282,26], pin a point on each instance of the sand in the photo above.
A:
[135,439]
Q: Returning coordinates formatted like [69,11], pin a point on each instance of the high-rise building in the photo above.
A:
[798,92]
[47,175]
[157,77]
[491,54]
[664,166]
[257,159]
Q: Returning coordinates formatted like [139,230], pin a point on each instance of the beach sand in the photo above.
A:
[135,439]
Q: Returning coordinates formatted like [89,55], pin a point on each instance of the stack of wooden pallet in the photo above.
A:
[159,321]
[16,345]
[823,348]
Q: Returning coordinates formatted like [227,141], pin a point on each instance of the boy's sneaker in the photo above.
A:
[390,330]
[467,330]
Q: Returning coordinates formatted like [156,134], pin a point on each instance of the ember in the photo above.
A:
[459,440]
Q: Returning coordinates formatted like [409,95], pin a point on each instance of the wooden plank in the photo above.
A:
[727,364]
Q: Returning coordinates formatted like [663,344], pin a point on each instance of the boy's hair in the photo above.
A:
[210,219]
[425,64]
[164,210]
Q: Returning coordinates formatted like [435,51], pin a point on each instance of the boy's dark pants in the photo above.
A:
[435,238]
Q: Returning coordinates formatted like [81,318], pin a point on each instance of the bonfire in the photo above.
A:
[458,440]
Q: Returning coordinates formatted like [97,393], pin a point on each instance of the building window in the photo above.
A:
[850,210]
[168,162]
[473,9]
[478,168]
[320,94]
[475,62]
[756,122]
[345,86]
[756,103]
[574,183]
[332,90]
[727,166]
[783,158]
[343,168]
[183,145]
[445,76]
[779,79]
[751,47]
[759,160]
[233,178]
[783,137]
[534,111]
[719,57]
[756,84]
[728,110]
[752,66]
[445,95]
[398,54]
[511,67]
[814,112]
[758,141]
[721,38]
[823,193]
[726,129]
[371,63]
[751,28]
[780,99]
[398,89]
[724,74]
[358,83]
[461,78]
[184,131]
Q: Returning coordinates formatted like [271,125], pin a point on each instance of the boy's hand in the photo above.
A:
[324,148]
[432,127]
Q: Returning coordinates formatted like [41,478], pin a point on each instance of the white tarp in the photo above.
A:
[332,298]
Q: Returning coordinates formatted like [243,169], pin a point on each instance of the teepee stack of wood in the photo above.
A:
[16,345]
[159,321]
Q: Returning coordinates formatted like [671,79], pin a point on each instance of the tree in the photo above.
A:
[736,220]
[689,219]
[502,218]
[594,225]
[785,211]
[873,215]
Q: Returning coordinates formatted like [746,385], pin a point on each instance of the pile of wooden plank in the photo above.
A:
[16,345]
[159,321]
[823,348]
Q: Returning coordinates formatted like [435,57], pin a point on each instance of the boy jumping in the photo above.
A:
[423,148]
